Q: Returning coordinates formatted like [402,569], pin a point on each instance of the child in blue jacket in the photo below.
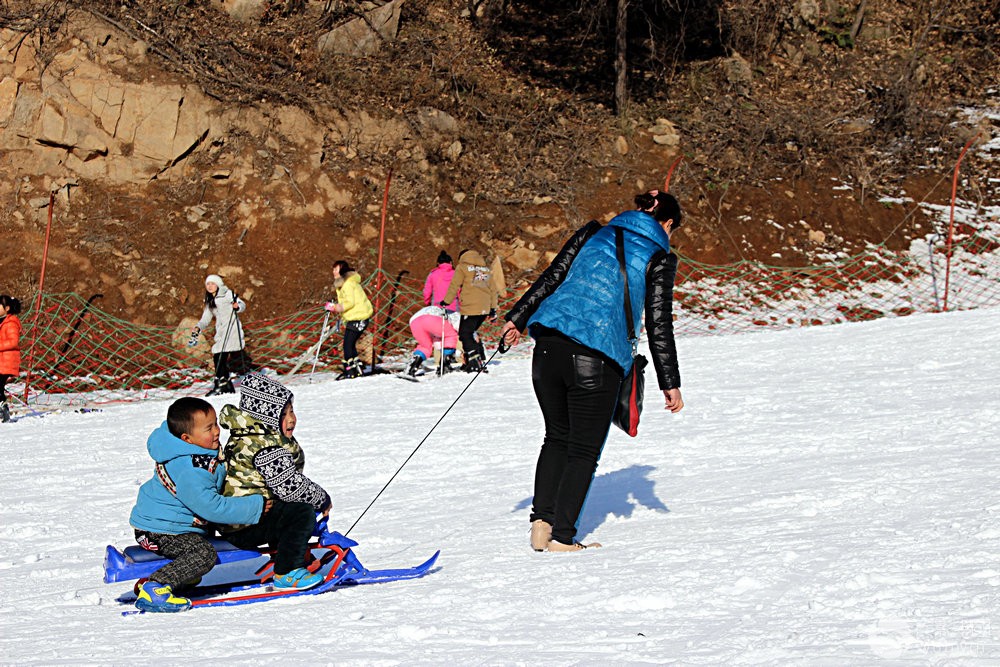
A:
[174,509]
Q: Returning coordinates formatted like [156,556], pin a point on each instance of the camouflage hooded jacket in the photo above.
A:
[261,461]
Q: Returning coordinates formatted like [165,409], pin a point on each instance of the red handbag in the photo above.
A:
[629,406]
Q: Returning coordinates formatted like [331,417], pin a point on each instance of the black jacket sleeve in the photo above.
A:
[660,274]
[551,278]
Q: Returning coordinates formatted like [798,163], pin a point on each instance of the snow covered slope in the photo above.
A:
[828,496]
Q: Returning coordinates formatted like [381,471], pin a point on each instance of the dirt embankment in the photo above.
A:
[181,141]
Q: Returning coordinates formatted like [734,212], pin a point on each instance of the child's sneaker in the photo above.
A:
[298,579]
[154,596]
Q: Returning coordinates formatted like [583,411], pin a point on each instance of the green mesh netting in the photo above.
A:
[74,354]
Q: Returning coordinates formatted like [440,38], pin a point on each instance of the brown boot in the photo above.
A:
[541,534]
[559,547]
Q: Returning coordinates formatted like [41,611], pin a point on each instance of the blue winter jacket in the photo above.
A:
[198,476]
[581,293]
[589,305]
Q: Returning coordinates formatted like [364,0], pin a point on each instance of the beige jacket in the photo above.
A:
[474,280]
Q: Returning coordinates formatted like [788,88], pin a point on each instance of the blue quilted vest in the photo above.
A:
[589,305]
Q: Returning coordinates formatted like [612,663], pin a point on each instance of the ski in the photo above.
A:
[419,376]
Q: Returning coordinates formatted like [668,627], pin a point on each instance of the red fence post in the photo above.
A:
[951,219]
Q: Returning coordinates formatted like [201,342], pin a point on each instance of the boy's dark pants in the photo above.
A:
[191,554]
[286,528]
[577,391]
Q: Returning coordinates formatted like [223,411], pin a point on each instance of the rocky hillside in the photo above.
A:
[258,139]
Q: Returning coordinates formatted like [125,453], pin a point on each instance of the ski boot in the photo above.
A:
[474,364]
[448,365]
[352,369]
[221,386]
[4,412]
[415,365]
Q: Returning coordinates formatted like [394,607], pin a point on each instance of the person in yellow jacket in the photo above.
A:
[355,312]
[477,298]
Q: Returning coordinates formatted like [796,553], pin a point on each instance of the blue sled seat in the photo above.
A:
[135,562]
[137,554]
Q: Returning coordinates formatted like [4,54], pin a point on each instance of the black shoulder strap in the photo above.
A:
[620,250]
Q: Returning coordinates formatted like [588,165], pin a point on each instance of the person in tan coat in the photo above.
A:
[477,297]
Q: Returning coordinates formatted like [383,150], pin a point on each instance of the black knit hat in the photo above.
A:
[264,399]
[444,257]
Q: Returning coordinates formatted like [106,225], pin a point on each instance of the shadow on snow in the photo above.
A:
[616,493]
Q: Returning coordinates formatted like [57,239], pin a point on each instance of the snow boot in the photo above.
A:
[298,579]
[4,412]
[157,597]
[541,534]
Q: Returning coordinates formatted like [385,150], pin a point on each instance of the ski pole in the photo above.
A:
[420,444]
[319,344]
[239,334]
[444,316]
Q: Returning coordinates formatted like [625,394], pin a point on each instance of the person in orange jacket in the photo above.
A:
[10,352]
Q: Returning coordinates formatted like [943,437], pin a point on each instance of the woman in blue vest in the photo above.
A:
[575,312]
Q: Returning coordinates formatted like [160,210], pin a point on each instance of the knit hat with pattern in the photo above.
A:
[264,399]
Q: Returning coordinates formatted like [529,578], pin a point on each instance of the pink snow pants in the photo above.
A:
[427,330]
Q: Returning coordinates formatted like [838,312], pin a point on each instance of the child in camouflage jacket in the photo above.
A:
[263,457]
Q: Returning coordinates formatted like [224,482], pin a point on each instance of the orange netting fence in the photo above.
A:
[74,354]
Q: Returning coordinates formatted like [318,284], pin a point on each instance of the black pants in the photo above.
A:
[191,554]
[221,360]
[577,391]
[3,386]
[238,362]
[286,528]
[352,332]
[467,328]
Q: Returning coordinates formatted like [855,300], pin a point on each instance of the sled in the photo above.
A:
[243,576]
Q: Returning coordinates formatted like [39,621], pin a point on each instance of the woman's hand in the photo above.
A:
[509,335]
[673,398]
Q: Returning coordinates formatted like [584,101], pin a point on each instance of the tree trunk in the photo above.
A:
[621,60]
